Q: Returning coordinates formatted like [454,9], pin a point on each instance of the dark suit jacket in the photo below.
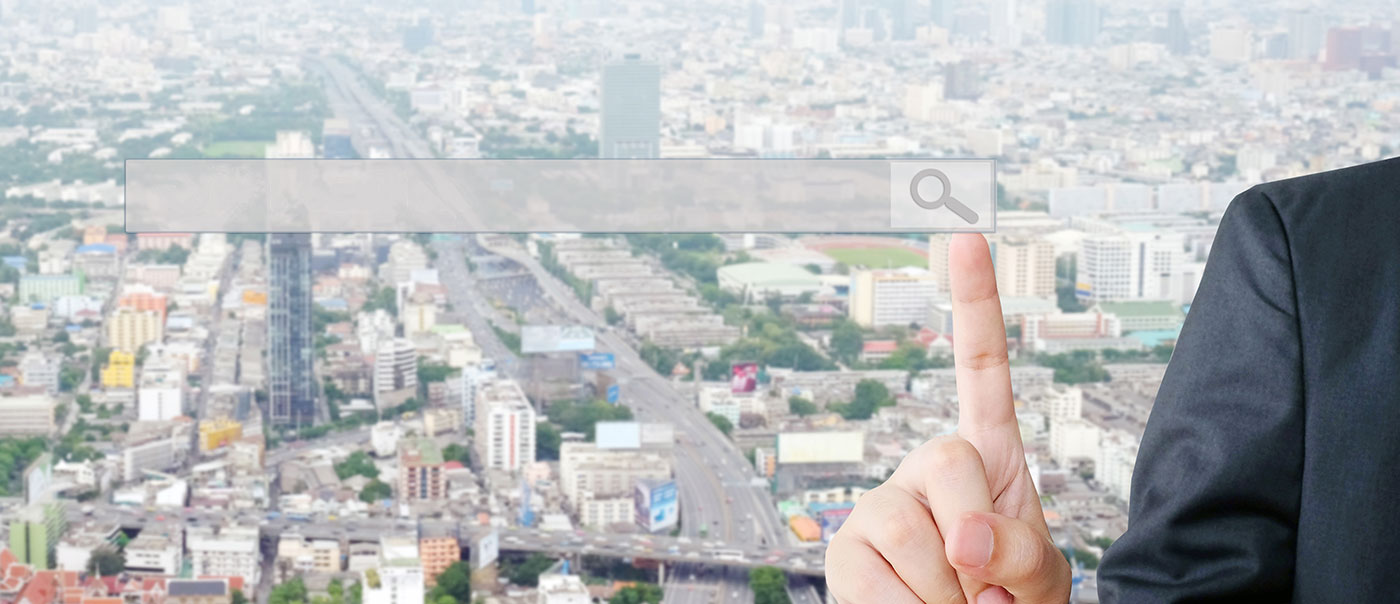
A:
[1270,468]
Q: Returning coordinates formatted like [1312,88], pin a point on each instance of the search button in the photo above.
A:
[945,195]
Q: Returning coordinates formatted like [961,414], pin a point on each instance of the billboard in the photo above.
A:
[614,393]
[821,447]
[743,377]
[831,521]
[618,435]
[485,549]
[555,338]
[657,504]
[595,361]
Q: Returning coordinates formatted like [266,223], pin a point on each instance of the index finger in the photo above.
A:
[979,338]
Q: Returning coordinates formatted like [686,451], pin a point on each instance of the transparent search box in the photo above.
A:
[572,195]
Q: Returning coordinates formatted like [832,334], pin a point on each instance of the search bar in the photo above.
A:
[570,195]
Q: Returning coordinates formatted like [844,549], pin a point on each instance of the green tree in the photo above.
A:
[847,339]
[527,573]
[357,464]
[547,442]
[801,407]
[376,490]
[454,582]
[457,452]
[238,597]
[106,561]
[721,422]
[583,416]
[291,592]
[637,594]
[769,585]
[385,298]
[870,396]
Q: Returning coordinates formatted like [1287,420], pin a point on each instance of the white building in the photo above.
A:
[160,396]
[1025,267]
[599,482]
[395,366]
[384,438]
[505,426]
[230,551]
[892,297]
[156,551]
[1113,467]
[27,415]
[39,369]
[398,578]
[1059,403]
[1130,266]
[1073,440]
[468,384]
[562,589]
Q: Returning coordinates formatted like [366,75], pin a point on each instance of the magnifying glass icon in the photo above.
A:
[945,200]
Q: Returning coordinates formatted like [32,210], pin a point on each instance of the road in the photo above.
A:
[717,485]
[715,480]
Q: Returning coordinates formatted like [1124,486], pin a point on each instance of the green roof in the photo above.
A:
[1146,308]
[770,273]
[428,452]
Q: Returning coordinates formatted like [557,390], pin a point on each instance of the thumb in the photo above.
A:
[1010,553]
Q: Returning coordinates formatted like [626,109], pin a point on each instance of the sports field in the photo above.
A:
[877,257]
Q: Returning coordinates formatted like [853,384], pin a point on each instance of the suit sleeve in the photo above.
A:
[1215,494]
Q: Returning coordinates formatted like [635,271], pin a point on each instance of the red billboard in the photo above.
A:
[743,377]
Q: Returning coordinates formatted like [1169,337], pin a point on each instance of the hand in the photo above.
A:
[959,520]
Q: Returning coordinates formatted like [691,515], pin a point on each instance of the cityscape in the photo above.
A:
[623,417]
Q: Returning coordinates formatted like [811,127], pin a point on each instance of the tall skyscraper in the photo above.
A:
[291,385]
[902,22]
[1003,28]
[756,18]
[962,81]
[1072,22]
[631,109]
[1176,38]
[940,13]
[1306,32]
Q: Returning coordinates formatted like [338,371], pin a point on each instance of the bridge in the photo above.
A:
[798,560]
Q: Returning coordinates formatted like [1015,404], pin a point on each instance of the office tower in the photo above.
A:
[422,471]
[1176,38]
[1024,267]
[1004,30]
[901,15]
[940,13]
[1129,266]
[756,21]
[419,36]
[1306,32]
[395,367]
[850,14]
[1072,22]
[290,382]
[891,297]
[505,426]
[962,81]
[630,109]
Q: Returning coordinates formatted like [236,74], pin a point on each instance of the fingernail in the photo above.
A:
[973,545]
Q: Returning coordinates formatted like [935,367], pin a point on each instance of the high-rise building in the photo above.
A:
[756,18]
[1306,31]
[505,426]
[228,551]
[962,80]
[1176,38]
[395,366]
[901,16]
[1072,22]
[422,474]
[129,329]
[891,297]
[1004,27]
[290,354]
[438,551]
[1129,266]
[1024,267]
[34,533]
[630,109]
[940,13]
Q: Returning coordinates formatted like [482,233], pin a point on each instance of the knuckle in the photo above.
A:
[901,523]
[952,456]
[985,359]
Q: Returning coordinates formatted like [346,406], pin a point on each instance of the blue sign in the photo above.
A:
[663,507]
[593,361]
[614,391]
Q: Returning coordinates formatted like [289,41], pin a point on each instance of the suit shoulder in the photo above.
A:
[1365,189]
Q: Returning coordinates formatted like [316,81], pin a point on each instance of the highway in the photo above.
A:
[718,496]
[717,484]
